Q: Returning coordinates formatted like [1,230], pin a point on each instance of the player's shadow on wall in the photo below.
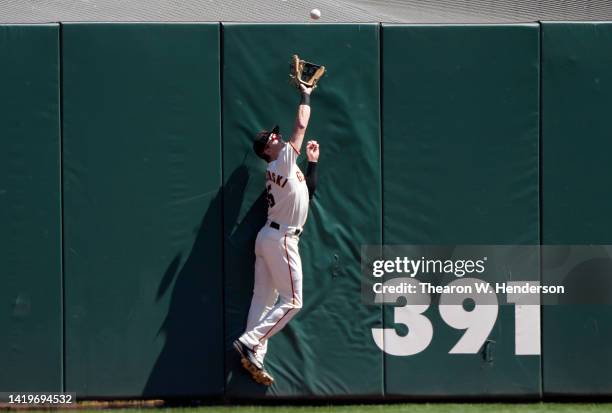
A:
[239,271]
[191,363]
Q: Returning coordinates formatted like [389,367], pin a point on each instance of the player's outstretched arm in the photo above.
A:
[302,118]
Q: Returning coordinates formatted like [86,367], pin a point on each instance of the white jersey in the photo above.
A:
[287,190]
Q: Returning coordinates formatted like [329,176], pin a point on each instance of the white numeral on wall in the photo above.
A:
[527,321]
[420,330]
[477,323]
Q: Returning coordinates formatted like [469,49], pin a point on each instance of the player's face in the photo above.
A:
[275,144]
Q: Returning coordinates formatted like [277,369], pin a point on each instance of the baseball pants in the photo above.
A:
[277,292]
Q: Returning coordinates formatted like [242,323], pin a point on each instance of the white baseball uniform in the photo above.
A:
[278,267]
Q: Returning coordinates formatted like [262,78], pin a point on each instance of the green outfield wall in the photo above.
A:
[460,166]
[576,204]
[30,209]
[326,350]
[130,200]
[142,210]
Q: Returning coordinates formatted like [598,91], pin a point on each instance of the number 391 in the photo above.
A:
[477,323]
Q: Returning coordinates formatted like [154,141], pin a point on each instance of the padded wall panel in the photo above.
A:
[30,215]
[327,349]
[460,166]
[142,175]
[576,201]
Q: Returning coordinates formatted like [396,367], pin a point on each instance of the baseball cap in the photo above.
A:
[259,145]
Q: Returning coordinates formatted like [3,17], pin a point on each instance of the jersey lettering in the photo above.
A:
[277,179]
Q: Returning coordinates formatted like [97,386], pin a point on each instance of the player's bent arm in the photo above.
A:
[311,178]
[301,120]
[312,153]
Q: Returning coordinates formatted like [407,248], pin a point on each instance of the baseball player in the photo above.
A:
[277,293]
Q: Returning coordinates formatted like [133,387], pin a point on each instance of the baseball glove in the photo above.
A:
[305,73]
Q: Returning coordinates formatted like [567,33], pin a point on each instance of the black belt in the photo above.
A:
[277,226]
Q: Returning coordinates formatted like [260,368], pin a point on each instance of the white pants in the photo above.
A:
[277,294]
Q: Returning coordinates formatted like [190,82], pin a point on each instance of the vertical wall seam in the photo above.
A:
[382,181]
[540,200]
[62,220]
[222,202]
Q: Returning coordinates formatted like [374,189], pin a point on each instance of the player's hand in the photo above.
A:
[306,90]
[312,151]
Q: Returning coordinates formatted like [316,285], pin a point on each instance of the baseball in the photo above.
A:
[315,14]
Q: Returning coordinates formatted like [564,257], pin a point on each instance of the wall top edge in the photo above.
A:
[49,24]
[383,24]
[476,24]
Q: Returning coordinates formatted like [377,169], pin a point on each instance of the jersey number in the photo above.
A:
[269,196]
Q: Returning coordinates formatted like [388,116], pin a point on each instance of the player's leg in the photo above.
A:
[264,297]
[264,294]
[283,261]
[262,348]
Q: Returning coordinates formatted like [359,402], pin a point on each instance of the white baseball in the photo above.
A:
[315,14]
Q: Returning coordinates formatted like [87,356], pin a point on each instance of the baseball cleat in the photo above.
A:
[265,377]
[256,373]
[248,359]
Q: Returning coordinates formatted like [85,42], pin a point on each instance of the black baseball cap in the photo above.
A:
[259,145]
